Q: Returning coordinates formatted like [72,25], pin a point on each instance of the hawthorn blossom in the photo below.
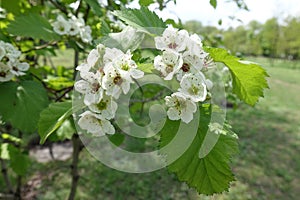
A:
[122,61]
[180,107]
[86,34]
[5,73]
[193,86]
[106,108]
[61,26]
[116,81]
[172,39]
[95,124]
[90,86]
[168,64]
[19,68]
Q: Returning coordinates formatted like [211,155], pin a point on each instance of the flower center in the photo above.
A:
[2,74]
[193,90]
[125,67]
[172,45]
[102,105]
[185,67]
[118,80]
[95,87]
[169,69]
[15,69]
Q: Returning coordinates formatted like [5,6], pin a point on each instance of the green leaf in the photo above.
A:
[248,78]
[213,3]
[21,104]
[32,25]
[146,67]
[12,6]
[210,174]
[52,118]
[145,2]
[66,130]
[96,8]
[19,162]
[143,19]
[117,138]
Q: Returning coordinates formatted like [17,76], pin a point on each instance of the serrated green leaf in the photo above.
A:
[52,118]
[21,104]
[213,3]
[32,25]
[142,19]
[96,8]
[145,2]
[248,78]
[210,174]
[66,130]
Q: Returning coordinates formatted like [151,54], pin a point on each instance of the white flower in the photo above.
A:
[192,63]
[172,39]
[116,81]
[168,64]
[193,86]
[61,26]
[19,68]
[180,107]
[5,73]
[90,86]
[85,34]
[74,28]
[95,124]
[123,62]
[105,108]
[11,52]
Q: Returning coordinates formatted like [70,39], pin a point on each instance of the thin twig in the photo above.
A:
[41,46]
[6,177]
[67,90]
[60,7]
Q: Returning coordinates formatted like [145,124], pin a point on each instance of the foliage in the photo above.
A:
[38,100]
[248,77]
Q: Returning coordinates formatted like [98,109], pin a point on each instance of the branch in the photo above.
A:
[60,7]
[67,90]
[74,166]
[6,177]
[41,46]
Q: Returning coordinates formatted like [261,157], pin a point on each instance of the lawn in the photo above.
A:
[268,166]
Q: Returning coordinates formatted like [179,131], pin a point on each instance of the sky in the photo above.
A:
[260,10]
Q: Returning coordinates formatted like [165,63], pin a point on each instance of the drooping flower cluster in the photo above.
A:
[107,73]
[182,58]
[73,27]
[10,64]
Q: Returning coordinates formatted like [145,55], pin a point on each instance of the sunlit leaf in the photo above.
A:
[248,78]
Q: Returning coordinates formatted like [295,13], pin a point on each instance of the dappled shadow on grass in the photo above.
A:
[269,159]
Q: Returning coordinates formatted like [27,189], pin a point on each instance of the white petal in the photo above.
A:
[173,114]
[92,58]
[186,116]
[82,86]
[135,73]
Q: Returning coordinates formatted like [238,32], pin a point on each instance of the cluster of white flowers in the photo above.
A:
[10,64]
[182,57]
[106,74]
[73,27]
